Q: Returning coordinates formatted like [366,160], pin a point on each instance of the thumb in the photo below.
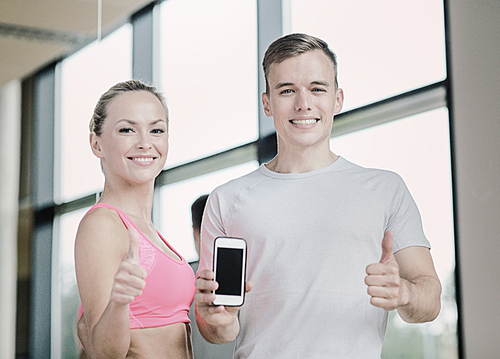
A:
[133,251]
[387,247]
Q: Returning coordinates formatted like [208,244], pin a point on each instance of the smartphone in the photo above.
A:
[230,260]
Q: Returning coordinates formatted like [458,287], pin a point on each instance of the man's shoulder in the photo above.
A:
[375,176]
[240,182]
[348,165]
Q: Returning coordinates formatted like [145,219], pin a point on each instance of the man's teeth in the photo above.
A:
[143,159]
[304,122]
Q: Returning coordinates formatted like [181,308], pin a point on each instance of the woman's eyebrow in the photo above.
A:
[157,121]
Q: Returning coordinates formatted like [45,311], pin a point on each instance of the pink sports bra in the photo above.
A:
[169,290]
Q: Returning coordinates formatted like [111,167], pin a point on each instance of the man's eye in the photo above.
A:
[318,90]
[286,91]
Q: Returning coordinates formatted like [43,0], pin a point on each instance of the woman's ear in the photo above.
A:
[95,145]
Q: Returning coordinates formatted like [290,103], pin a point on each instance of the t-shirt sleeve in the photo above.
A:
[405,220]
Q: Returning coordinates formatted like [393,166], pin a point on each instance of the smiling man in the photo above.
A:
[332,246]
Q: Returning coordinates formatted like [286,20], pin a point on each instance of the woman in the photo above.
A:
[135,289]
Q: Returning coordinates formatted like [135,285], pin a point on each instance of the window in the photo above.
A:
[209,75]
[64,309]
[84,77]
[383,47]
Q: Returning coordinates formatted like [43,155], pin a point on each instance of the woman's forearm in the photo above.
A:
[110,337]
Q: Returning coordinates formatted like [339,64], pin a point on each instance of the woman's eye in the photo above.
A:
[158,130]
[125,130]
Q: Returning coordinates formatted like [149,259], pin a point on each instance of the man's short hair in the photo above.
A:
[292,45]
[197,209]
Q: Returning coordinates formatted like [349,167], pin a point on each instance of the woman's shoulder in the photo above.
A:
[104,228]
[101,219]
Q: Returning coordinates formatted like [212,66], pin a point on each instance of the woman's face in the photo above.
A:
[134,142]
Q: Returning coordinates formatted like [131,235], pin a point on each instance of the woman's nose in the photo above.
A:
[144,142]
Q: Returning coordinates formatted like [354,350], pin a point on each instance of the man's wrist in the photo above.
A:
[405,293]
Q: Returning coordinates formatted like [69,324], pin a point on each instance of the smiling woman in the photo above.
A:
[117,248]
[135,130]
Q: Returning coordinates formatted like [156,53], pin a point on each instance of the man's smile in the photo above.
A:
[309,121]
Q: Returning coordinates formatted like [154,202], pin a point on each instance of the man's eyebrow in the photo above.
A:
[321,83]
[283,84]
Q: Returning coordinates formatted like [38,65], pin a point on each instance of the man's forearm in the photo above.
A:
[421,299]
[218,334]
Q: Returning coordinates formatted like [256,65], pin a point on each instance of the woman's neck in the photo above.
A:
[136,200]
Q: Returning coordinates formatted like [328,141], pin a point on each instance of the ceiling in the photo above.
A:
[34,33]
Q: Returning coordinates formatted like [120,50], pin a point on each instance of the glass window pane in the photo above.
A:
[384,47]
[209,75]
[67,225]
[176,200]
[84,77]
[418,149]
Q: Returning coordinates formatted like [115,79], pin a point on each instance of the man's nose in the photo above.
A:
[303,101]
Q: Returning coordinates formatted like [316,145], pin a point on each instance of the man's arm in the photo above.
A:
[217,324]
[406,281]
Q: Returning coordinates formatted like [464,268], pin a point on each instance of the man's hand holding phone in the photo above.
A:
[223,321]
[221,292]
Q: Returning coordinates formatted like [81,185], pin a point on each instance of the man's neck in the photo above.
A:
[301,162]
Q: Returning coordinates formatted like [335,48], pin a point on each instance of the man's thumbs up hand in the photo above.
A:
[383,280]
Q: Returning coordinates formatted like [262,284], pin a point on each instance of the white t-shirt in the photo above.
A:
[310,237]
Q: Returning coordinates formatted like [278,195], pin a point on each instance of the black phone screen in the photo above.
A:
[229,271]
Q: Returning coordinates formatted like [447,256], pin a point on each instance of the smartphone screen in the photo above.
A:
[229,270]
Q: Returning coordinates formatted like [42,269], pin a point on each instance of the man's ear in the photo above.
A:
[339,101]
[95,145]
[266,105]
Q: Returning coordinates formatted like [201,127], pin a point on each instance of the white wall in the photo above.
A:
[10,133]
[475,74]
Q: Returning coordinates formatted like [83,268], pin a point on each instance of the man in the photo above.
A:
[202,348]
[197,208]
[332,246]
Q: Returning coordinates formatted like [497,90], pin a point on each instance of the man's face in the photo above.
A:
[302,100]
